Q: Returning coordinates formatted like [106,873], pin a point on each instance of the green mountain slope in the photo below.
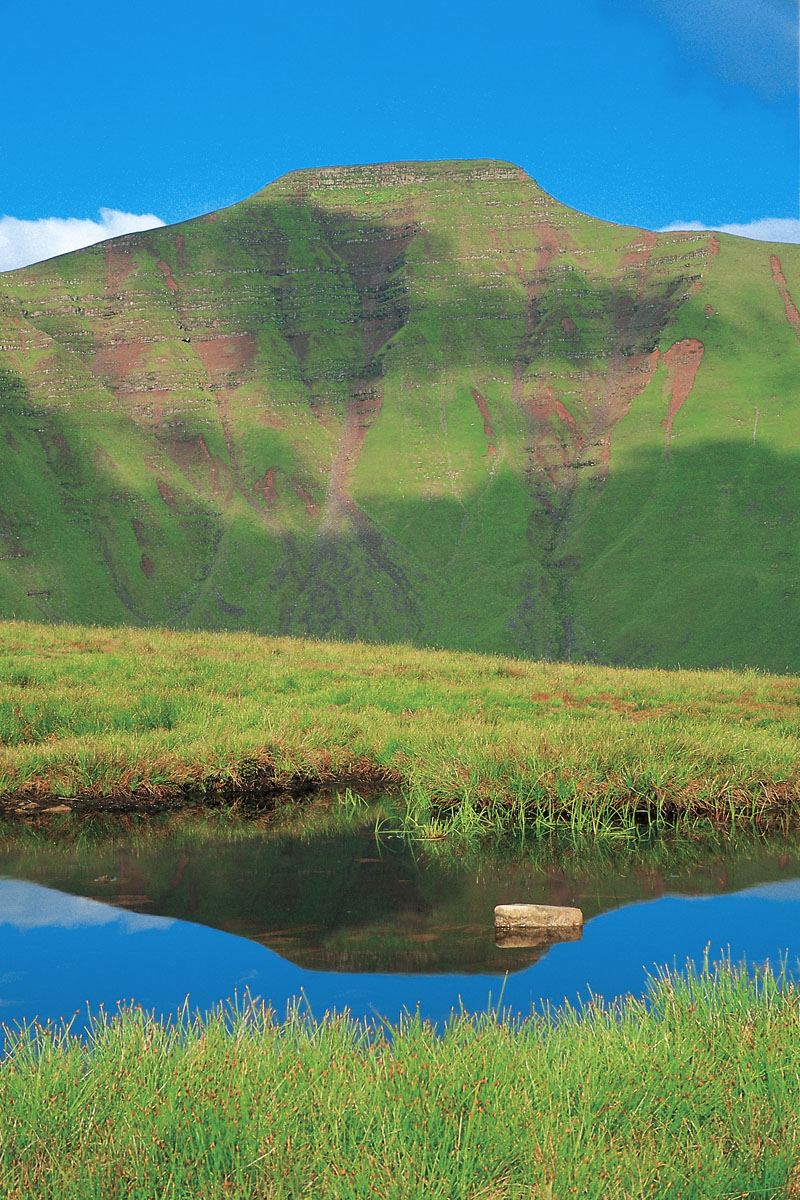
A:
[418,401]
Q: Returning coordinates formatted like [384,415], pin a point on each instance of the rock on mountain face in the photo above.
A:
[416,401]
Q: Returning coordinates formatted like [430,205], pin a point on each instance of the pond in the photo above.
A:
[342,914]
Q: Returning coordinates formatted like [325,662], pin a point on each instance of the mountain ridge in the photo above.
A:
[412,401]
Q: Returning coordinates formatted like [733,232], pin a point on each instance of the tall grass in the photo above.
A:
[692,1092]
[475,741]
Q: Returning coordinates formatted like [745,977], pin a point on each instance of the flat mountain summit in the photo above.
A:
[416,402]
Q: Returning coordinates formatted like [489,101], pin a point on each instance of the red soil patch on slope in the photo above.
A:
[311,507]
[193,456]
[229,352]
[167,272]
[637,253]
[138,532]
[566,416]
[114,363]
[555,448]
[166,493]
[540,405]
[146,566]
[267,488]
[636,256]
[549,246]
[792,315]
[682,361]
[119,263]
[363,409]
[483,408]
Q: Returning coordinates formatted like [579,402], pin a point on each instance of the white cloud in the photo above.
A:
[31,906]
[26,242]
[750,43]
[766,229]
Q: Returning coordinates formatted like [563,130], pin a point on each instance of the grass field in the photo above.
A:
[695,1093]
[474,742]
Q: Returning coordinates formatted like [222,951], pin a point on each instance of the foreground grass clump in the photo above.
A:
[692,1094]
[475,740]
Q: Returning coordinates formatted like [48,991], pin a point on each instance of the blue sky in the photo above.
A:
[640,111]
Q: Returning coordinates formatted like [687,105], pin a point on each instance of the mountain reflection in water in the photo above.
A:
[344,899]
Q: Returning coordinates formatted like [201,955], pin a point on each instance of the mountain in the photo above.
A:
[417,402]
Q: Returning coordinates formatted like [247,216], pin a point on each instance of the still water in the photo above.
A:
[344,917]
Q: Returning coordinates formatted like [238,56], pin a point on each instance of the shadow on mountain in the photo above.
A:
[691,560]
[340,286]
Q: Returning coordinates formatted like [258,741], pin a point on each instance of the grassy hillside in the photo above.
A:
[478,742]
[414,402]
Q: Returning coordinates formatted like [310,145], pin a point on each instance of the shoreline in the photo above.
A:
[259,795]
[764,808]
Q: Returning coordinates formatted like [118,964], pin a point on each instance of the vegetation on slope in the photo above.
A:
[414,402]
[88,712]
[693,1095]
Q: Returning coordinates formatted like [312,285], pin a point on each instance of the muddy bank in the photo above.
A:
[259,791]
[766,808]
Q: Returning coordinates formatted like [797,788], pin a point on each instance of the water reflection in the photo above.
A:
[530,939]
[348,919]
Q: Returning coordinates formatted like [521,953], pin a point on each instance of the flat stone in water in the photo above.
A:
[537,916]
